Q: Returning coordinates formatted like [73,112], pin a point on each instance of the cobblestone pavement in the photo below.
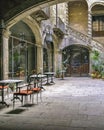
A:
[71,104]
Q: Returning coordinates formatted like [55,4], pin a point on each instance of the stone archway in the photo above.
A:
[76,60]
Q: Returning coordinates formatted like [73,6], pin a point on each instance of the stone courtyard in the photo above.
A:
[75,103]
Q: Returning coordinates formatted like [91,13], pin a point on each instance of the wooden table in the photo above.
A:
[6,82]
[49,74]
[38,76]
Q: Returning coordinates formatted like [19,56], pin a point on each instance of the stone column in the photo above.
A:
[39,59]
[6,35]
[1,48]
[59,59]
[55,60]
[90,62]
[49,60]
[89,24]
[58,62]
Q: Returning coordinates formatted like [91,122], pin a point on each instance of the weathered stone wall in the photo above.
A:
[78,16]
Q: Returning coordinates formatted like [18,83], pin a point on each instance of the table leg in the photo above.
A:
[3,102]
[52,79]
[47,83]
[16,97]
[41,85]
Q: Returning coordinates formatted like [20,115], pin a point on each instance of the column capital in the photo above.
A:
[6,33]
[38,45]
[3,31]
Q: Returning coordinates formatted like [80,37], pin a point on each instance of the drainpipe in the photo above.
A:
[56,14]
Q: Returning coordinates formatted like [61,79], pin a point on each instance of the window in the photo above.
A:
[98,25]
[22,58]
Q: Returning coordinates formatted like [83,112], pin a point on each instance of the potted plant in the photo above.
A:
[102,75]
[20,72]
[57,73]
[96,65]
[12,86]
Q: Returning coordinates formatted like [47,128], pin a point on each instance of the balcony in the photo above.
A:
[98,33]
[42,14]
[59,27]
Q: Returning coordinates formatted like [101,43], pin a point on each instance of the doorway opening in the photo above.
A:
[76,60]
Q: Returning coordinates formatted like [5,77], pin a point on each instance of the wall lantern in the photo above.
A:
[48,37]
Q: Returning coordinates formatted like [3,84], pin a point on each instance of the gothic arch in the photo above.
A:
[24,9]
[35,29]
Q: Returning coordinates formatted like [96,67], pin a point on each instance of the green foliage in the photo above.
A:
[95,55]
[58,73]
[97,65]
[102,72]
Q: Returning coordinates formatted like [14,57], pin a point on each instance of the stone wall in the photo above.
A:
[78,16]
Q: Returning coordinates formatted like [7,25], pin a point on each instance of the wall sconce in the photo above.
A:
[48,31]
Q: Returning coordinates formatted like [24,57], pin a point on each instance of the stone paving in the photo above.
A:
[71,104]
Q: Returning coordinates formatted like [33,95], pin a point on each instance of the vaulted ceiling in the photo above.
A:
[12,8]
[9,8]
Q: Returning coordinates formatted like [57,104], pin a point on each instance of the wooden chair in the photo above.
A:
[5,87]
[35,87]
[2,88]
[37,90]
[22,93]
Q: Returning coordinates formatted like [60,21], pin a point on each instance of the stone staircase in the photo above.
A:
[76,37]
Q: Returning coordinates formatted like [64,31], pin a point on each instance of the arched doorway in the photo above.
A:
[76,60]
